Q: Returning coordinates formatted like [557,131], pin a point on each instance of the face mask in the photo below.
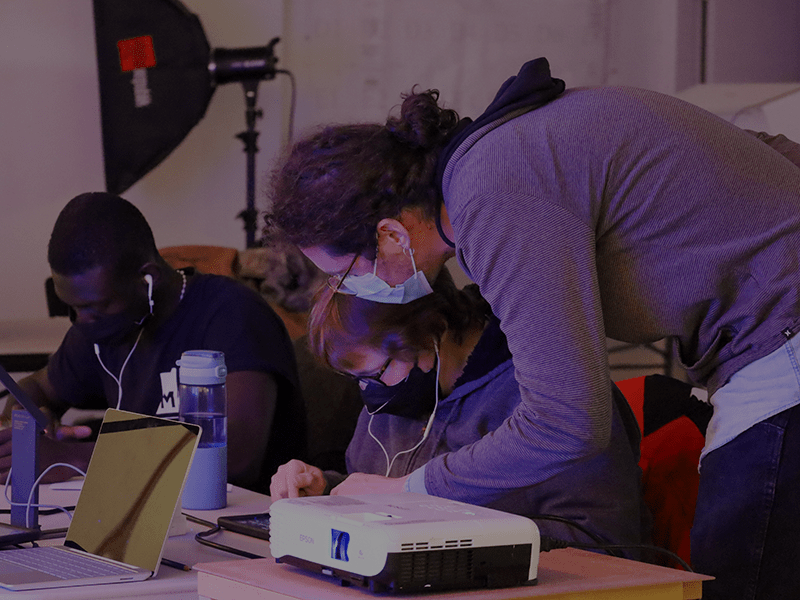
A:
[412,398]
[373,288]
[113,330]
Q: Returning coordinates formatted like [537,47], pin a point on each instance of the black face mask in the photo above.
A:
[111,330]
[412,398]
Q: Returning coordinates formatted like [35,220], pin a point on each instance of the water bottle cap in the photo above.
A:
[202,367]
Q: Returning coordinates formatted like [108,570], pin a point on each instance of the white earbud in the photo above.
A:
[149,279]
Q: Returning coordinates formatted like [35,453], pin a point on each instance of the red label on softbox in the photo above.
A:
[136,53]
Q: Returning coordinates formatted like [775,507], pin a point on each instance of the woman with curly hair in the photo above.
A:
[584,214]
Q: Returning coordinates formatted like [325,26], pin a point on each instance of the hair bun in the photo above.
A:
[422,122]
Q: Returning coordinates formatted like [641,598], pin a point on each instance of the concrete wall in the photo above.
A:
[351,60]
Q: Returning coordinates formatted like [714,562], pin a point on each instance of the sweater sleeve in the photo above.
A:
[535,263]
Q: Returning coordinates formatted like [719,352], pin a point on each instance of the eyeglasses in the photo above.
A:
[335,281]
[365,380]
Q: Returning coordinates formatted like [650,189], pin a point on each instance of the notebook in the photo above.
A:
[123,514]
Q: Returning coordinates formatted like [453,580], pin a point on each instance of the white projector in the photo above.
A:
[405,542]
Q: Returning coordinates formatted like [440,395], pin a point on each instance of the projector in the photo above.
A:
[405,542]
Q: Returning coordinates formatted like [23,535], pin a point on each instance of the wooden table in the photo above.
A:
[566,574]
[169,583]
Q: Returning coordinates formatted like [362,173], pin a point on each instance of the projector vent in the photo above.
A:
[444,567]
[446,544]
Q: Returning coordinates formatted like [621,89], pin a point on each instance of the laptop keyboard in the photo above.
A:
[61,563]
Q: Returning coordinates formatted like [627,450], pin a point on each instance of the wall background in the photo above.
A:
[351,59]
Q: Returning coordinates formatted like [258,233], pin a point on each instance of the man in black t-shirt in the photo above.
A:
[133,316]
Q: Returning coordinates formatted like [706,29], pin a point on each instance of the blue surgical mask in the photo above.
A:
[373,288]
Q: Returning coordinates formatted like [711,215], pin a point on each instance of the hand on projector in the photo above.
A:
[296,479]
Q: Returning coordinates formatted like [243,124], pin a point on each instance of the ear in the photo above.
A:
[152,271]
[393,237]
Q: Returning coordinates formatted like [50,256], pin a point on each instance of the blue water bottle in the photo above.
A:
[201,390]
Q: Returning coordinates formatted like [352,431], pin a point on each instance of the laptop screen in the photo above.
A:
[132,486]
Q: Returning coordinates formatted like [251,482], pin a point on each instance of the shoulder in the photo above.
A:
[213,286]
[228,315]
[582,113]
[220,301]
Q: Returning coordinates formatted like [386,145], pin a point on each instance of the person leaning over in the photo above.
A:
[132,318]
[585,213]
[436,376]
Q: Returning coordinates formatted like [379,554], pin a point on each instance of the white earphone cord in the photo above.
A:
[28,505]
[149,280]
[121,371]
[390,463]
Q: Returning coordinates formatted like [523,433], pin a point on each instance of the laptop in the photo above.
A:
[123,514]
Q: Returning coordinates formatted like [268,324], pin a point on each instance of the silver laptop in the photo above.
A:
[123,514]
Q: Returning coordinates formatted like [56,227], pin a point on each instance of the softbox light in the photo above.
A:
[157,75]
[155,85]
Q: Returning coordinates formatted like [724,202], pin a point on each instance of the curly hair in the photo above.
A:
[340,324]
[334,186]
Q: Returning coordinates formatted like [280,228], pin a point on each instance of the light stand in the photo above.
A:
[250,138]
[157,74]
[250,66]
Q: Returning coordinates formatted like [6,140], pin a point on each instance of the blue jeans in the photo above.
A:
[746,529]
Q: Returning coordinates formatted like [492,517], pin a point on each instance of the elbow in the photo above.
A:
[585,441]
[597,441]
[595,436]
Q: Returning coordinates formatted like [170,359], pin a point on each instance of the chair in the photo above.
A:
[673,424]
[217,260]
[56,307]
[279,272]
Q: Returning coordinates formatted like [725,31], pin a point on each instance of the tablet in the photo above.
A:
[10,534]
[256,525]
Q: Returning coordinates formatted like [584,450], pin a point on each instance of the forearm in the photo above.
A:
[51,451]
[252,401]
[519,454]
[552,317]
[74,452]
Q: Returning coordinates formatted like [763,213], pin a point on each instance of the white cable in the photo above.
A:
[119,381]
[425,432]
[377,441]
[36,485]
[372,435]
[149,280]
[29,504]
